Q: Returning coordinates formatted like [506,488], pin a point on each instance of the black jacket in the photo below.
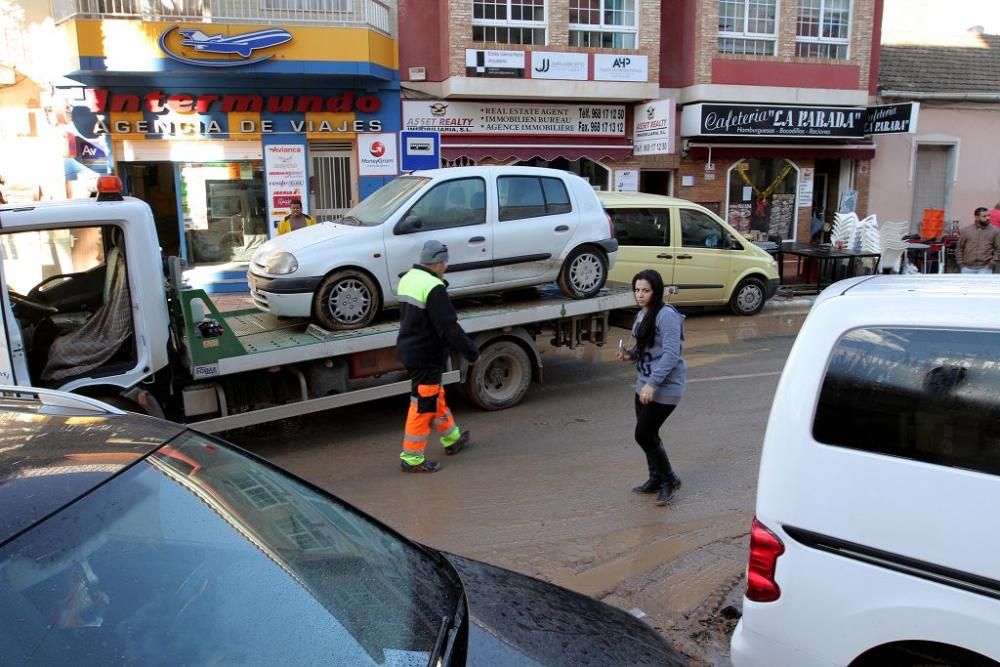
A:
[426,334]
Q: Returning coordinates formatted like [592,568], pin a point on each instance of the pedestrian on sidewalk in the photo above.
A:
[995,215]
[428,328]
[296,219]
[661,375]
[978,246]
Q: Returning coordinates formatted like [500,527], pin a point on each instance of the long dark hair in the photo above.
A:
[647,327]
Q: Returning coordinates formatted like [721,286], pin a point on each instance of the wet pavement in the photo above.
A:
[545,488]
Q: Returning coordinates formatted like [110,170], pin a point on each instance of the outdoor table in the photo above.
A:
[825,256]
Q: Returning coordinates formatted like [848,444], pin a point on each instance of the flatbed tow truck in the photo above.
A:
[184,359]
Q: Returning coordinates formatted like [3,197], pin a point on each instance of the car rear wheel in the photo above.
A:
[584,273]
[346,299]
[748,297]
[501,376]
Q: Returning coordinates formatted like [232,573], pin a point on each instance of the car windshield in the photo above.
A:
[199,554]
[385,201]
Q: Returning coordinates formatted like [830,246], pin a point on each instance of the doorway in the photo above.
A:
[656,182]
[153,182]
[332,180]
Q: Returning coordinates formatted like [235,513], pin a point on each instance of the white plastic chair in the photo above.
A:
[892,245]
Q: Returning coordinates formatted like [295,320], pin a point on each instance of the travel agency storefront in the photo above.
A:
[767,168]
[219,127]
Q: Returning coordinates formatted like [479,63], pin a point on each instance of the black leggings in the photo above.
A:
[648,420]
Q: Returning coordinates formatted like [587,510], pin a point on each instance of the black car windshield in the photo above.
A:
[201,555]
[377,207]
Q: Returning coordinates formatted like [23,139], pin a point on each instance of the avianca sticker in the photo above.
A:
[242,45]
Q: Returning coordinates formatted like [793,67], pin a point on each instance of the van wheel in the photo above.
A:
[500,378]
[584,273]
[346,299]
[748,297]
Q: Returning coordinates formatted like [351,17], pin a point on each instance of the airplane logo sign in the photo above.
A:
[242,45]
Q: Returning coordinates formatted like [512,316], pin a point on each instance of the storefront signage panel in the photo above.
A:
[654,128]
[621,67]
[502,64]
[566,66]
[892,118]
[377,155]
[731,120]
[198,41]
[499,118]
[285,178]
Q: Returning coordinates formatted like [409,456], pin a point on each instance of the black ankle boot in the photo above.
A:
[651,485]
[674,480]
[666,493]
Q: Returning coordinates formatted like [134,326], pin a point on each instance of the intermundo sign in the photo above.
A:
[241,44]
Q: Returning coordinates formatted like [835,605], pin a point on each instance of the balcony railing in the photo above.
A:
[359,13]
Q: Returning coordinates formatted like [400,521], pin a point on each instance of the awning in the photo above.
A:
[851,151]
[524,148]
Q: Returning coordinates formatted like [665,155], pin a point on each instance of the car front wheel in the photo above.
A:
[346,299]
[748,297]
[584,273]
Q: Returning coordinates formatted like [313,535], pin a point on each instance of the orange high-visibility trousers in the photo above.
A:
[427,408]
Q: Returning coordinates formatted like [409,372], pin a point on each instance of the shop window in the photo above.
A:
[641,226]
[450,204]
[509,21]
[823,29]
[531,197]
[225,210]
[748,27]
[761,202]
[698,230]
[606,24]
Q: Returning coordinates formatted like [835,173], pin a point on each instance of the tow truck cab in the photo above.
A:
[83,298]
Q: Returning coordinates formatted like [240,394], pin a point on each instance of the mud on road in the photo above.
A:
[545,489]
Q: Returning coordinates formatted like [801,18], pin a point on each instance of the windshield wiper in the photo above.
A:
[445,643]
[349,220]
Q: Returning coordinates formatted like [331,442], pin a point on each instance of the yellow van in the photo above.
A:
[707,260]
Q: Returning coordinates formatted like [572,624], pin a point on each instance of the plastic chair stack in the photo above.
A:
[845,227]
[892,244]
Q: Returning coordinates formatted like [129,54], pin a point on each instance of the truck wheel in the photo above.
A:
[584,273]
[748,297]
[500,378]
[346,299]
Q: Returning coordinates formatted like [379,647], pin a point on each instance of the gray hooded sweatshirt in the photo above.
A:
[661,364]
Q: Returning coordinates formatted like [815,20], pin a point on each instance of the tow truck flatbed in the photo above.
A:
[252,339]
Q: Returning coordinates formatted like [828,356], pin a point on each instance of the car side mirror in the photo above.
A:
[410,223]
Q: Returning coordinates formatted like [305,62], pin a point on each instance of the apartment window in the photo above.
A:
[508,21]
[748,27]
[606,24]
[823,28]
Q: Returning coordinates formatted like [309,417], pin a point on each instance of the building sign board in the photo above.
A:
[626,180]
[654,127]
[377,155]
[746,120]
[492,63]
[514,118]
[610,67]
[892,118]
[186,44]
[567,66]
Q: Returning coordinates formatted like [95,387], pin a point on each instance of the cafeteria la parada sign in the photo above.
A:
[173,109]
[773,121]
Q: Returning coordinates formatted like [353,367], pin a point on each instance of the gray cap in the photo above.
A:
[433,252]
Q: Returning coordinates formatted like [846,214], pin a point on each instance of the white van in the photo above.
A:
[877,539]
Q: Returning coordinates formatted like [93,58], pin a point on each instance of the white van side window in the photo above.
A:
[930,395]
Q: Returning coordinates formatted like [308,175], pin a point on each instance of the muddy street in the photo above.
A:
[545,490]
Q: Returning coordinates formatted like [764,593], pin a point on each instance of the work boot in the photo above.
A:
[674,480]
[651,485]
[666,493]
[423,466]
[459,445]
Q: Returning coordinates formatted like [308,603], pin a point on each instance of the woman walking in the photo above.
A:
[661,375]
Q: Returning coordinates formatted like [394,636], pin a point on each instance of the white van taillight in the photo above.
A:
[611,225]
[765,547]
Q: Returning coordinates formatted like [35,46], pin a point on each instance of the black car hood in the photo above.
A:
[518,620]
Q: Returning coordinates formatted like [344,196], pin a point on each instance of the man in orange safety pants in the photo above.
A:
[428,328]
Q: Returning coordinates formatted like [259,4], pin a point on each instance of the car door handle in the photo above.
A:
[664,257]
[477,239]
[562,228]
[684,257]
